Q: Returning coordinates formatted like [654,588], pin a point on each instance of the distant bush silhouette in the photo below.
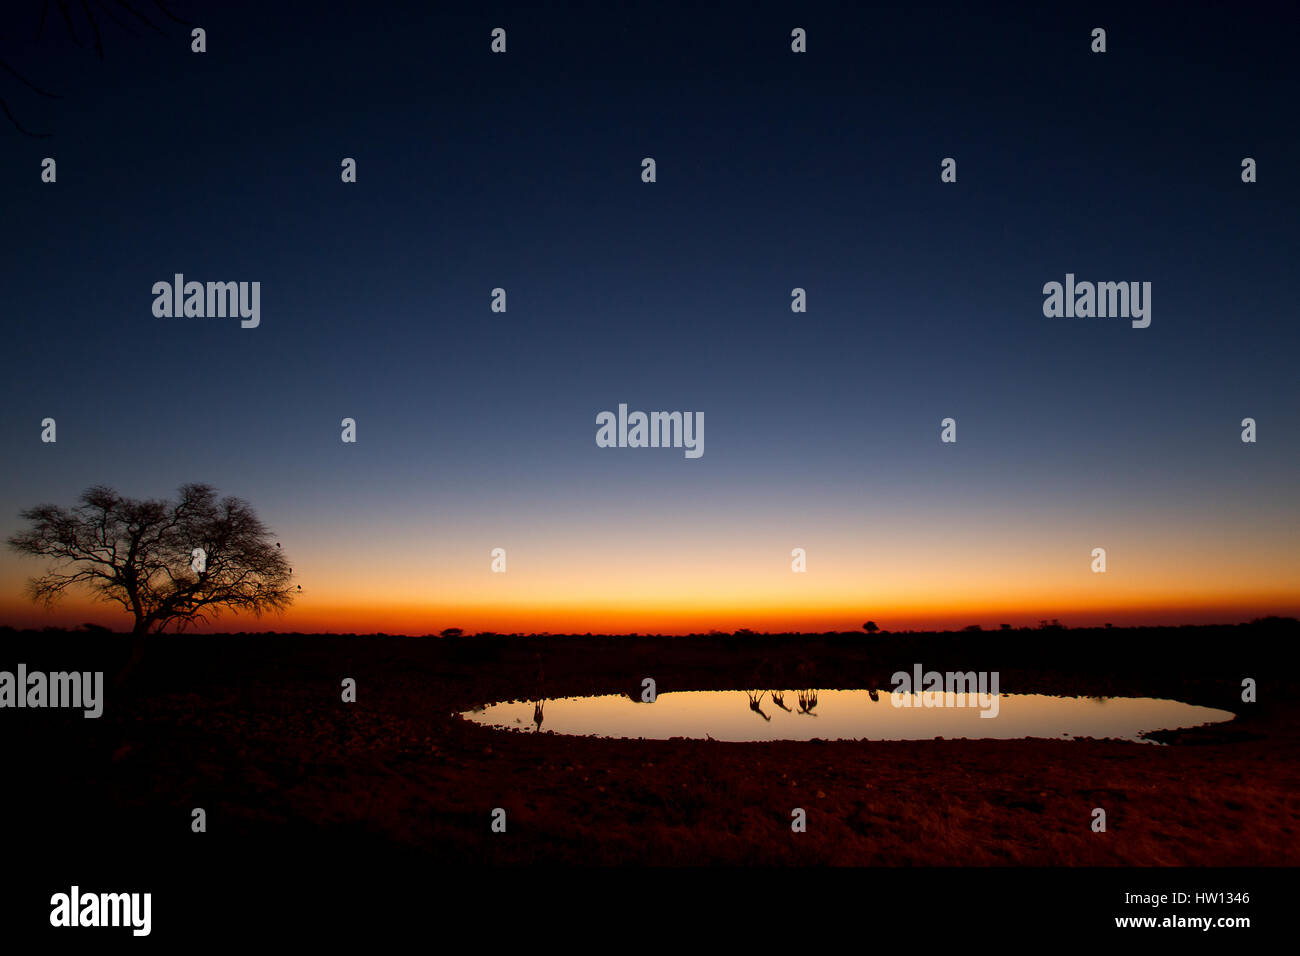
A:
[1274,620]
[871,627]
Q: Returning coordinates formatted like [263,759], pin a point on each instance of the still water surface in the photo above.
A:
[737,715]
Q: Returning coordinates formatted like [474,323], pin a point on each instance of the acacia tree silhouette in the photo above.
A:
[141,554]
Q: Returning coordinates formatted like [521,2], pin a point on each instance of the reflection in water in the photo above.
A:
[807,701]
[847,714]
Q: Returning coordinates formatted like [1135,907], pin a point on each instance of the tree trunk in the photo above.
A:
[138,634]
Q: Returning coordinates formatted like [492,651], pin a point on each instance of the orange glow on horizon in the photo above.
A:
[690,617]
[655,577]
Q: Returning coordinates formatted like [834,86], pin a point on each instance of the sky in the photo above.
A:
[774,170]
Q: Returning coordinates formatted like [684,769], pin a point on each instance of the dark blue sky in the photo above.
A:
[775,170]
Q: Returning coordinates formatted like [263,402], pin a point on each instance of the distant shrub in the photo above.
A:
[1275,621]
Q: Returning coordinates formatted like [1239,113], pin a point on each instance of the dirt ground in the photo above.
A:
[252,728]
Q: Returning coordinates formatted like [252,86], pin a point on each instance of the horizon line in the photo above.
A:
[91,628]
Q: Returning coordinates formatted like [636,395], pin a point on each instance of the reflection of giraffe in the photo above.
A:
[875,695]
[755,702]
[778,698]
[807,701]
[537,714]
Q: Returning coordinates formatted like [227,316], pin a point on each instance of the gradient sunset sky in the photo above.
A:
[476,430]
